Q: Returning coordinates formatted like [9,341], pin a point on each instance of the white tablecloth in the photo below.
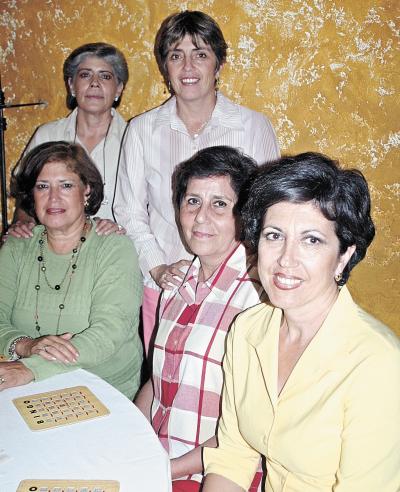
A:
[120,446]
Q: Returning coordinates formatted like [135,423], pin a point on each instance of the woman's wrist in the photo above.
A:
[176,469]
[17,349]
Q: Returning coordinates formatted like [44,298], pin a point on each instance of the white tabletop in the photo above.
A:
[120,446]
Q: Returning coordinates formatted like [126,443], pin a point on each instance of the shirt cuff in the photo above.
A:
[43,369]
[218,462]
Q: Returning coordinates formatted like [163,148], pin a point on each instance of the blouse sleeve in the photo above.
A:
[8,293]
[370,453]
[233,458]
[131,202]
[265,143]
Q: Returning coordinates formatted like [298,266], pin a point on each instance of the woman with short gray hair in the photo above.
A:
[95,75]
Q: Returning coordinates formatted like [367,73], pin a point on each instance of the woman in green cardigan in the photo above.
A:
[68,297]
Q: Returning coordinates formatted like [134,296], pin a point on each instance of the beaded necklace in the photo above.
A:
[69,272]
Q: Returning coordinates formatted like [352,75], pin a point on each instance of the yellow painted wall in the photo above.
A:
[325,72]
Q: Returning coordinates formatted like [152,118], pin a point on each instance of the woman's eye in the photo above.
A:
[273,236]
[312,240]
[84,75]
[220,204]
[41,186]
[105,76]
[67,185]
[175,56]
[201,54]
[192,201]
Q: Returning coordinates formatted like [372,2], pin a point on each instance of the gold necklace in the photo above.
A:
[198,130]
[42,269]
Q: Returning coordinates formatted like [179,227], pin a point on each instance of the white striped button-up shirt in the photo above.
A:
[155,143]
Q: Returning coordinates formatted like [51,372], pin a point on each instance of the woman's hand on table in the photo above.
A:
[105,227]
[49,347]
[14,374]
[168,276]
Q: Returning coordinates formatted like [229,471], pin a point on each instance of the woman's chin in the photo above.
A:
[62,222]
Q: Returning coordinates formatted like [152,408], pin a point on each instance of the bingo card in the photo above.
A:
[59,407]
[68,486]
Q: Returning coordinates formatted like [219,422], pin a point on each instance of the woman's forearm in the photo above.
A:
[191,462]
[217,483]
[144,399]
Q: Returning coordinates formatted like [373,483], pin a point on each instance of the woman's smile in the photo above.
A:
[285,282]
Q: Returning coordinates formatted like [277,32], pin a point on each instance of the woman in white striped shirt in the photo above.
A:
[190,51]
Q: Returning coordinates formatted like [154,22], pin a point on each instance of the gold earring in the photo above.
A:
[86,202]
[338,277]
[217,84]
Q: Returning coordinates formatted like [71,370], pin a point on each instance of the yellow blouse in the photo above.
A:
[335,425]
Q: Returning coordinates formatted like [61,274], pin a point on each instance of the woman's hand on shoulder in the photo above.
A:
[169,276]
[21,229]
[14,374]
[105,227]
[49,347]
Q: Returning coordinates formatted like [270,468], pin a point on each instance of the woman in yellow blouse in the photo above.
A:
[311,382]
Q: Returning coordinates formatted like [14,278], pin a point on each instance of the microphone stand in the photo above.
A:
[3,170]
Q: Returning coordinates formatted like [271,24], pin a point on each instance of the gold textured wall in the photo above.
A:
[325,72]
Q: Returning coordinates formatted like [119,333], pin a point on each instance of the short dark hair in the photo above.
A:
[25,174]
[215,161]
[341,194]
[195,24]
[107,52]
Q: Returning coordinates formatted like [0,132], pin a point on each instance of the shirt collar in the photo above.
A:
[333,330]
[71,125]
[225,114]
[192,291]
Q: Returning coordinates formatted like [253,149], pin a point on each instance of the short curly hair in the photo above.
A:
[25,174]
[341,195]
